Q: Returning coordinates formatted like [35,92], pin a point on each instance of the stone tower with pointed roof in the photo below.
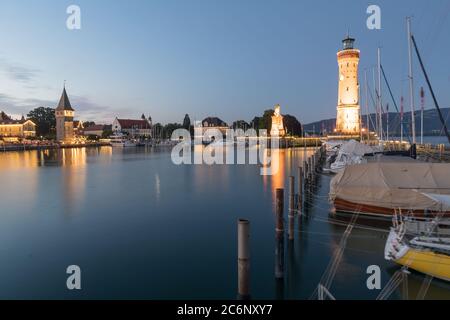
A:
[64,119]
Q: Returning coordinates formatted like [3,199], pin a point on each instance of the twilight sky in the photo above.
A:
[226,58]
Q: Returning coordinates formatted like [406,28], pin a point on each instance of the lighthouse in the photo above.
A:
[348,109]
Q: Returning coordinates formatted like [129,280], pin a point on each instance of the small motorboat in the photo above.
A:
[121,141]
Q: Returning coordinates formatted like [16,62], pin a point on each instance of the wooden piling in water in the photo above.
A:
[279,208]
[305,171]
[243,259]
[310,170]
[313,169]
[300,191]
[279,249]
[291,207]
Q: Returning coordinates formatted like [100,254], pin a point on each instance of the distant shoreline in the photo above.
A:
[31,147]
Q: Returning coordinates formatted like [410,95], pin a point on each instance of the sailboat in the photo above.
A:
[428,255]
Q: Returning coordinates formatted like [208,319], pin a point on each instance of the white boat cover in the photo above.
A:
[405,185]
[356,148]
[330,145]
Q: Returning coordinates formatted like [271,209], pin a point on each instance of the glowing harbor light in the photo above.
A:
[348,110]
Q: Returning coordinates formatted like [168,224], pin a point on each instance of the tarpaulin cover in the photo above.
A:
[394,185]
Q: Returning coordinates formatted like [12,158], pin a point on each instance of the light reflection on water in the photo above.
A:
[141,227]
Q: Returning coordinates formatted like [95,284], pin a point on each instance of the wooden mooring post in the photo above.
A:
[300,191]
[305,171]
[310,167]
[291,207]
[279,208]
[314,165]
[243,259]
[279,250]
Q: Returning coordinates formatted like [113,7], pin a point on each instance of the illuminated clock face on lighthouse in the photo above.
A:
[348,110]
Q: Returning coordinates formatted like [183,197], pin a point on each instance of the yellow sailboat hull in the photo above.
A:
[428,262]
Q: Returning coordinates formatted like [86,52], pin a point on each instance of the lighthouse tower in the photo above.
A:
[348,110]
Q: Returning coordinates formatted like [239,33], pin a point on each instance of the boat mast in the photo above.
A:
[377,122]
[411,81]
[422,107]
[401,118]
[367,104]
[380,106]
[387,121]
[360,114]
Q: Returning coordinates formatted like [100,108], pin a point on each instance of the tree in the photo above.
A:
[107,133]
[292,125]
[4,116]
[45,121]
[241,124]
[157,130]
[255,123]
[266,120]
[88,124]
[170,128]
[187,122]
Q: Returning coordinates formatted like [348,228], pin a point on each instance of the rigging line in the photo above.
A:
[435,33]
[392,97]
[390,287]
[446,120]
[430,88]
[330,272]
[424,287]
[373,105]
[356,226]
[338,258]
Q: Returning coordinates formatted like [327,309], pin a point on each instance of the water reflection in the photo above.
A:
[108,195]
[75,157]
[157,187]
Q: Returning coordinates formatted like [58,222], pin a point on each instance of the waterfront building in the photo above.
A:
[133,128]
[23,128]
[214,123]
[277,128]
[96,130]
[64,119]
[348,109]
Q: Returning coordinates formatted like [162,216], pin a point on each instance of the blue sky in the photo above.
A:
[226,58]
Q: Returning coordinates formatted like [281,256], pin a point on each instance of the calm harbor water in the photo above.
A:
[141,227]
